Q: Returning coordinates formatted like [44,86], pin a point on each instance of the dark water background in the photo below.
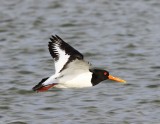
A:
[122,36]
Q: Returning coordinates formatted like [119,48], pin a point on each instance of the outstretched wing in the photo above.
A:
[62,53]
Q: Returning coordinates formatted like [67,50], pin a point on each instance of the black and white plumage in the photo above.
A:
[62,53]
[71,70]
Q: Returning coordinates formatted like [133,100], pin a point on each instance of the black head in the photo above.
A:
[99,75]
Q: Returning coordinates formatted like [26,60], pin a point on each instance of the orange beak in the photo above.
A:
[116,79]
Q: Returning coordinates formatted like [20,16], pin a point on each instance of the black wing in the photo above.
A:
[62,53]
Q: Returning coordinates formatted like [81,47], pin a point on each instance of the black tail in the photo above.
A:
[39,85]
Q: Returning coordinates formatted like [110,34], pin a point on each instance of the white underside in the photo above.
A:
[77,75]
[80,81]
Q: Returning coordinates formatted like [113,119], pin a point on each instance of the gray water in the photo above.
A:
[122,36]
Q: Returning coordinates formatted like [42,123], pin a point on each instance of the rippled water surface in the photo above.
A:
[122,36]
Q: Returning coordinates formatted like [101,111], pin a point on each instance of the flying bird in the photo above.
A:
[71,70]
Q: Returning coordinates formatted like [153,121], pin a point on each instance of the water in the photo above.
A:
[121,36]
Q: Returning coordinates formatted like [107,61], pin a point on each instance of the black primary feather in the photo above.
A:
[57,41]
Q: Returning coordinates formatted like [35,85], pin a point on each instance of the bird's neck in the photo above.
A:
[95,79]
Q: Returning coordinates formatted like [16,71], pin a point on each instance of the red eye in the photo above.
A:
[105,73]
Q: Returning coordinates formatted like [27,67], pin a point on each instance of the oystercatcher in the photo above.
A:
[71,70]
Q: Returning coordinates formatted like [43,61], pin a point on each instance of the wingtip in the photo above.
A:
[51,39]
[58,37]
[54,38]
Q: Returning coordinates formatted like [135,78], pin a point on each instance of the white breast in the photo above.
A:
[79,81]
